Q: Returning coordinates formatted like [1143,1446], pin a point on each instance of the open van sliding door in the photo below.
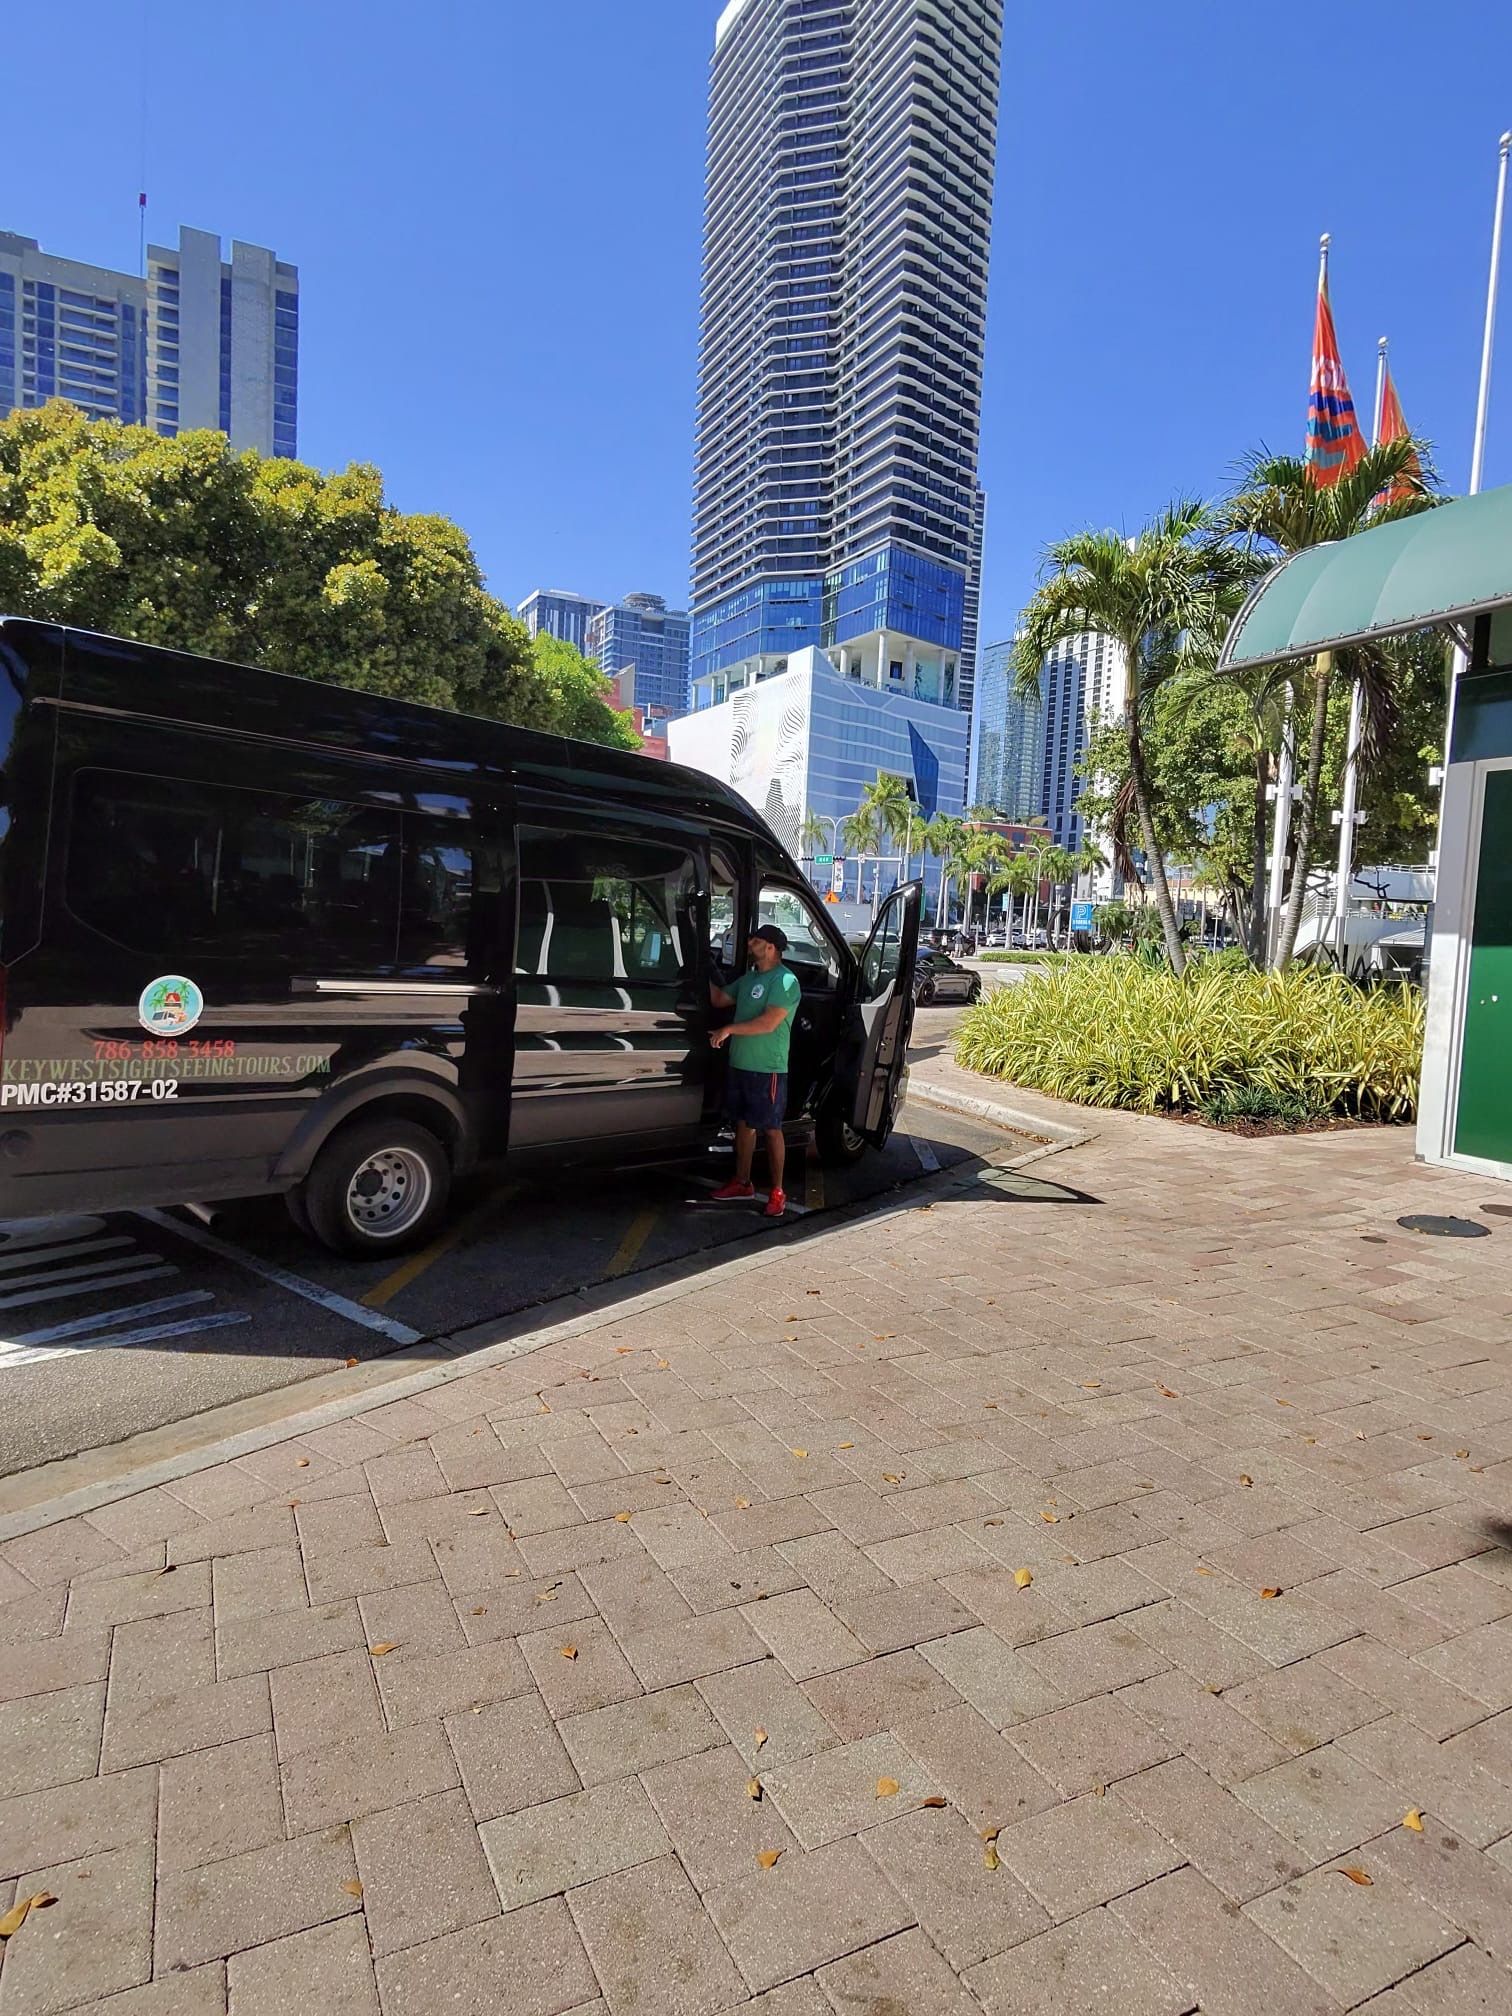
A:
[874,1072]
[610,982]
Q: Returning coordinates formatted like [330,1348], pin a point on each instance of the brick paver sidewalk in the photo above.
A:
[499,1699]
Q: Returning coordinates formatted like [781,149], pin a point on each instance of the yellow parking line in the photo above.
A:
[813,1181]
[417,1264]
[641,1226]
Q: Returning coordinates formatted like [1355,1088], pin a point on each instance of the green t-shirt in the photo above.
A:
[754,994]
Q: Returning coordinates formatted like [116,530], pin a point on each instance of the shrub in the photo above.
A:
[1116,1032]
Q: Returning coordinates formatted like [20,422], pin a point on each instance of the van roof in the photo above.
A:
[280,706]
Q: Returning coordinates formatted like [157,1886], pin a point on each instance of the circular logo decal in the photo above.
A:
[170,1006]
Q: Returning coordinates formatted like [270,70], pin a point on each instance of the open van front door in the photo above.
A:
[884,1009]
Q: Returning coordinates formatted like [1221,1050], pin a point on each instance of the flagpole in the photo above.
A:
[1380,398]
[1350,795]
[1459,663]
[1483,397]
[1286,768]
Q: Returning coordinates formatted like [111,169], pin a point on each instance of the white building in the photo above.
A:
[1085,685]
[201,342]
[809,739]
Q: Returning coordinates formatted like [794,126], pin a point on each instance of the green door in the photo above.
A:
[1483,1122]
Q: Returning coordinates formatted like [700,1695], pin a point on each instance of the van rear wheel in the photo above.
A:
[839,1143]
[377,1187]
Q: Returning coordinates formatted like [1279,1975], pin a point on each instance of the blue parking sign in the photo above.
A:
[1081,916]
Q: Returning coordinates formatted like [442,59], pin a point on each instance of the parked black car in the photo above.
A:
[258,934]
[938,978]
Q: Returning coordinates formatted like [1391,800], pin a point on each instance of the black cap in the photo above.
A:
[773,934]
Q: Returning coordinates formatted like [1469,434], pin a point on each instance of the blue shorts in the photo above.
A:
[759,1098]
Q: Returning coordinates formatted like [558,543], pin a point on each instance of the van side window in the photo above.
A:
[603,909]
[453,876]
[171,868]
[809,952]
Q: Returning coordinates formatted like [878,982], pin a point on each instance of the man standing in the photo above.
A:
[765,1000]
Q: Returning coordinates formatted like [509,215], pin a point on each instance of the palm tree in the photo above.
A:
[1280,509]
[944,838]
[862,832]
[1160,595]
[892,801]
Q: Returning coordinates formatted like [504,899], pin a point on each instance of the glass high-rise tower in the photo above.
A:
[847,219]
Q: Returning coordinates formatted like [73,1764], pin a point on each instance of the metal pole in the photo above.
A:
[1276,892]
[1482,405]
[1350,793]
[1380,398]
[1351,798]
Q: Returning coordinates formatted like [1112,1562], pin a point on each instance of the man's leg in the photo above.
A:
[745,1149]
[776,1147]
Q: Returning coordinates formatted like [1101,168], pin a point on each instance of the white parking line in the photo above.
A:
[929,1162]
[27,1253]
[14,1357]
[311,1291]
[80,1326]
[145,1269]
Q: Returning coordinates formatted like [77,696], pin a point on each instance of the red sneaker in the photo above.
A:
[776,1204]
[734,1188]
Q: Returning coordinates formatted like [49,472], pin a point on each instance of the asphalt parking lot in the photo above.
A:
[120,1324]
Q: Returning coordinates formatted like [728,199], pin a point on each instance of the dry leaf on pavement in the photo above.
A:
[845,1445]
[742,1504]
[753,1788]
[1169,1395]
[622,1518]
[798,1452]
[1022,1577]
[301,1462]
[477,1511]
[934,1799]
[990,1856]
[1413,1820]
[569,1651]
[387,1645]
[768,1857]
[886,1787]
[1266,1593]
[888,1478]
[1051,1518]
[1355,1875]
[761,1737]
[1247,1482]
[352,1887]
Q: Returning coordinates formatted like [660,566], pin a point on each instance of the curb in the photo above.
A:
[1054,1132]
[462,1353]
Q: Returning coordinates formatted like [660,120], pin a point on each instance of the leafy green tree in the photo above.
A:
[1279,510]
[1163,595]
[193,544]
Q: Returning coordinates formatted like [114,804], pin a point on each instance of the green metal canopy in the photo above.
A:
[1442,564]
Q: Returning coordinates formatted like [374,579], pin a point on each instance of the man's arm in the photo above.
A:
[719,997]
[759,1025]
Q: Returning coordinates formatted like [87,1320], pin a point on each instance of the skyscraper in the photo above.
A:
[1008,752]
[223,342]
[643,637]
[560,613]
[201,342]
[1085,684]
[847,217]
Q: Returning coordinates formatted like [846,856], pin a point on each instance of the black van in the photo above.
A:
[260,934]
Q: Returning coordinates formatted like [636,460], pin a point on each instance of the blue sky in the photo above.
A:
[495,205]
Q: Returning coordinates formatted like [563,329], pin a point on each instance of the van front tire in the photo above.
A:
[377,1187]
